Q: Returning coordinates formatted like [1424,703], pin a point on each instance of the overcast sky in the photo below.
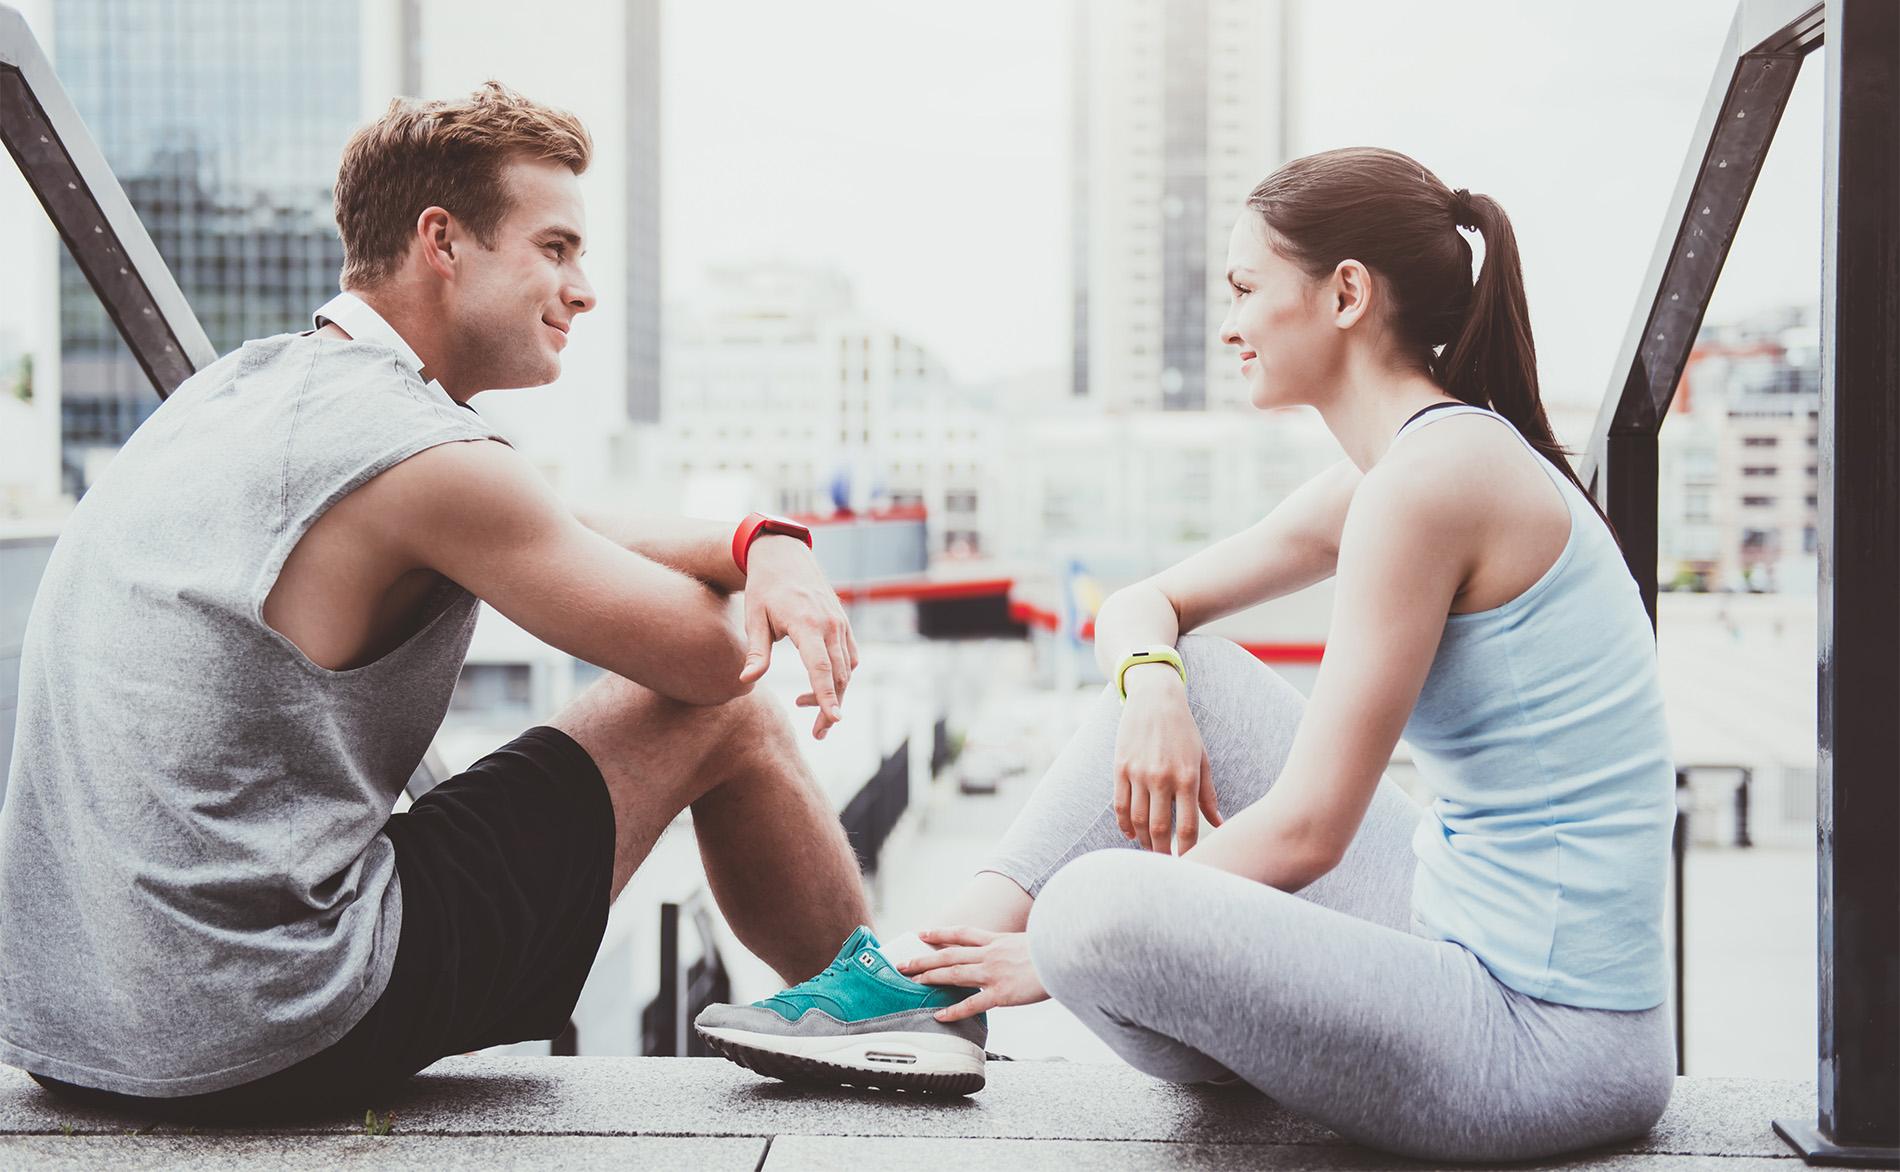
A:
[922,150]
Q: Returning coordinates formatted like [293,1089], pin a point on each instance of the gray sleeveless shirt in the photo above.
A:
[194,888]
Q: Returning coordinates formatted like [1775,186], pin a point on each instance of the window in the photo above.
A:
[1760,470]
[491,687]
[1760,441]
[1757,502]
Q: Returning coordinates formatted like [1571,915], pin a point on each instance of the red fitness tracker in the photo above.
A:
[757,525]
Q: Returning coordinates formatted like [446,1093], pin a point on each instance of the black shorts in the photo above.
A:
[505,871]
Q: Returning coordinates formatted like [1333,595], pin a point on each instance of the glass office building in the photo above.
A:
[223,120]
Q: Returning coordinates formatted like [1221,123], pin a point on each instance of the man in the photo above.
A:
[249,632]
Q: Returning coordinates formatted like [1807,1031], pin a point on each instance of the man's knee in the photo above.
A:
[754,740]
[761,719]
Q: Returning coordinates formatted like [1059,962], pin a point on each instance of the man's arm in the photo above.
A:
[786,596]
[479,514]
[702,549]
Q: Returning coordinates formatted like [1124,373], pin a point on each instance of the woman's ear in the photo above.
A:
[1351,293]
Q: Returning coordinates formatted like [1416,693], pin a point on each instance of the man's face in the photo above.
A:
[514,302]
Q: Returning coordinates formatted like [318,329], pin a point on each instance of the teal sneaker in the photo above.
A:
[859,1023]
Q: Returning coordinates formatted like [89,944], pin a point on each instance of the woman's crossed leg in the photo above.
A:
[1391,1039]
[1247,715]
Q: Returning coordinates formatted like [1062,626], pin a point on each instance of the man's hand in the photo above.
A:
[786,596]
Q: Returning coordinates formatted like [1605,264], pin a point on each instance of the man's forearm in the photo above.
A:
[701,549]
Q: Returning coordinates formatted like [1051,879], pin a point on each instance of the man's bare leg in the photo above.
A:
[777,859]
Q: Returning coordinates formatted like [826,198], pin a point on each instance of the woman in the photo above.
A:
[1481,980]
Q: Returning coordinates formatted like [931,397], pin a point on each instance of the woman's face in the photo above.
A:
[1279,321]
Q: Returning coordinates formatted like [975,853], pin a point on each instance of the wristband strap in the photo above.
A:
[1159,653]
[757,525]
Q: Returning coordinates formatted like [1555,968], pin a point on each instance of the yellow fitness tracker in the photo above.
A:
[1159,653]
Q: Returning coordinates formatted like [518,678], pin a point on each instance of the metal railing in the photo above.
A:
[1858,812]
[82,197]
[690,980]
[873,812]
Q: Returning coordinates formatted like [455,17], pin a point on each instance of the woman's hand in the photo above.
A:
[1162,775]
[996,964]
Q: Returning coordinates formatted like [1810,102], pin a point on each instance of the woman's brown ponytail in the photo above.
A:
[1389,213]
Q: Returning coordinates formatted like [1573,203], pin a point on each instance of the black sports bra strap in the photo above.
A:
[1424,410]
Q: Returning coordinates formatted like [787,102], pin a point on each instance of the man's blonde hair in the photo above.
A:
[447,154]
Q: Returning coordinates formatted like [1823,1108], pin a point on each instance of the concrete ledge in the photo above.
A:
[707,1113]
[812,1153]
[293,1153]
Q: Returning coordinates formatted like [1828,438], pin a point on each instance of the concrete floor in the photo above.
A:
[705,1113]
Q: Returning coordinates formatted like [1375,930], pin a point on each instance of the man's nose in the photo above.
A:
[579,296]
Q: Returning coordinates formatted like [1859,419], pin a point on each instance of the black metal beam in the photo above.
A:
[1858,821]
[83,198]
[1754,75]
[1630,476]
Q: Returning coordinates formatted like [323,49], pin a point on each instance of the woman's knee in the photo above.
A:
[1210,655]
[1224,677]
[1089,922]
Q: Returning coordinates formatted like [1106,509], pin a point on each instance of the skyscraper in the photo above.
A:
[1178,113]
[223,120]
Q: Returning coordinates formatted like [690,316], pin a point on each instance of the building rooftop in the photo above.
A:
[705,1113]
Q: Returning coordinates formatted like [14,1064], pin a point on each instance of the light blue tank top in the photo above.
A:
[1540,732]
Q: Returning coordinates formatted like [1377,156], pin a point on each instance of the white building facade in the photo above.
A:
[1739,462]
[781,395]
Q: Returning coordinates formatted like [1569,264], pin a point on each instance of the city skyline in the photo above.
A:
[945,200]
[816,174]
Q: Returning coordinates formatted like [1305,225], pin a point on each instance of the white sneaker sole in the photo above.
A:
[890,1060]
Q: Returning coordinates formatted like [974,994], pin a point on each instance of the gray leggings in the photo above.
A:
[1328,1000]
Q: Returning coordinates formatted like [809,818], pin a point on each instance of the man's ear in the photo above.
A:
[1351,292]
[435,232]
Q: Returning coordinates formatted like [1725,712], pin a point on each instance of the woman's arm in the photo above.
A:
[1292,547]
[1162,775]
[1406,549]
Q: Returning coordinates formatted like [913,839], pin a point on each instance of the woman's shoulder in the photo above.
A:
[1466,473]
[1449,459]
[1466,456]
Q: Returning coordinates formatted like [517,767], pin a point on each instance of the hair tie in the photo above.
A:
[1461,212]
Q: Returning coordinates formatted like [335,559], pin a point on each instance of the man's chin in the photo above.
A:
[539,376]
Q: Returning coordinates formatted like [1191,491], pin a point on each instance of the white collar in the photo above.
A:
[354,316]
